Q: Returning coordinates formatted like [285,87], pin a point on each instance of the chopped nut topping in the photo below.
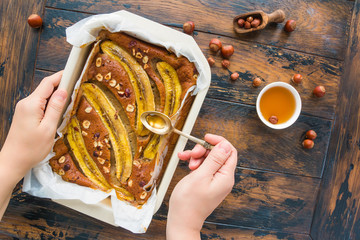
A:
[137,163]
[106,169]
[99,77]
[86,124]
[146,66]
[145,59]
[130,108]
[143,195]
[100,153]
[98,62]
[61,172]
[146,51]
[121,93]
[130,182]
[95,144]
[138,55]
[118,87]
[133,50]
[88,109]
[112,82]
[106,140]
[84,133]
[101,160]
[108,76]
[140,148]
[62,159]
[100,144]
[195,76]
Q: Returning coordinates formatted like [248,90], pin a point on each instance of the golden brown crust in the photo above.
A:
[115,90]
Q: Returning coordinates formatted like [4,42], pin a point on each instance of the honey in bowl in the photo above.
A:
[278,101]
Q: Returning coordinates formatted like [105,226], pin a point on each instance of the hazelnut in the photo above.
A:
[273,119]
[98,62]
[130,108]
[117,87]
[256,82]
[62,159]
[308,143]
[143,195]
[106,169]
[227,51]
[86,124]
[34,21]
[247,25]
[225,63]
[146,66]
[189,27]
[234,76]
[255,23]
[130,183]
[297,78]
[61,172]
[99,77]
[121,93]
[108,76]
[88,109]
[311,134]
[290,25]
[215,45]
[138,55]
[101,160]
[84,133]
[136,163]
[319,91]
[211,61]
[249,19]
[145,59]
[241,22]
[112,83]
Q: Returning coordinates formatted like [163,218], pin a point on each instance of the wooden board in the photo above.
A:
[17,56]
[313,34]
[337,215]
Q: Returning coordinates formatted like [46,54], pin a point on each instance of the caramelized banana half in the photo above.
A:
[117,132]
[138,78]
[82,156]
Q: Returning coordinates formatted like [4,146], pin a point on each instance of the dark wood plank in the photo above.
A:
[18,43]
[262,200]
[38,76]
[338,213]
[250,60]
[260,147]
[317,32]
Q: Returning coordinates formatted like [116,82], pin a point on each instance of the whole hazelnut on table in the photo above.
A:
[255,23]
[297,78]
[189,27]
[273,119]
[225,63]
[35,21]
[247,25]
[256,82]
[308,143]
[241,22]
[249,19]
[211,61]
[319,91]
[311,134]
[215,45]
[227,51]
[290,25]
[234,76]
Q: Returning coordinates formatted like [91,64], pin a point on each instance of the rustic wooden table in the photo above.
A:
[282,191]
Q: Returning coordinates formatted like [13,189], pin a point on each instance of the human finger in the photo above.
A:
[194,163]
[198,151]
[54,109]
[185,155]
[47,85]
[213,139]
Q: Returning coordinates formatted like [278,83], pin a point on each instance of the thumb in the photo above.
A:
[54,108]
[216,158]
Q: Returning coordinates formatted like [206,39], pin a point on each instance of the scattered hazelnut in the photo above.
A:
[247,25]
[121,93]
[273,119]
[137,163]
[189,27]
[241,22]
[130,183]
[290,25]
[84,133]
[99,77]
[319,91]
[195,76]
[86,124]
[297,78]
[138,55]
[101,160]
[143,195]
[106,169]
[249,19]
[61,172]
[308,143]
[227,51]
[34,21]
[112,83]
[234,76]
[62,159]
[130,108]
[98,62]
[118,87]
[88,109]
[225,63]
[146,65]
[145,59]
[255,23]
[215,45]
[108,76]
[311,134]
[211,61]
[256,82]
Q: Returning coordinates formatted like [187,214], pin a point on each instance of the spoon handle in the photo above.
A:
[203,143]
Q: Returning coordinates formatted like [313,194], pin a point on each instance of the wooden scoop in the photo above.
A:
[278,16]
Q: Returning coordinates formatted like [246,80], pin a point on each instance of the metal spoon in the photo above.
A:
[161,124]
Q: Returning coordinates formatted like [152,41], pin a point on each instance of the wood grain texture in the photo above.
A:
[337,215]
[18,43]
[250,60]
[262,200]
[317,32]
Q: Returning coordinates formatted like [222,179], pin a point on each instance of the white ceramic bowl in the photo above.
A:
[293,118]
